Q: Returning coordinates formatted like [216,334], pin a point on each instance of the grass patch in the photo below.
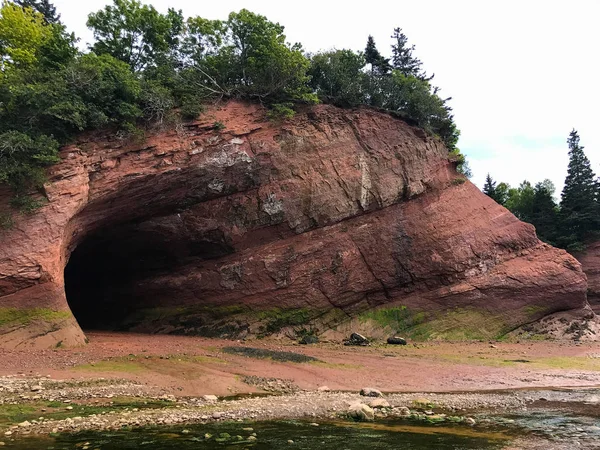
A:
[170,364]
[423,403]
[10,414]
[458,181]
[203,359]
[533,310]
[399,319]
[6,221]
[26,316]
[277,319]
[14,414]
[328,365]
[261,353]
[478,360]
[461,325]
[455,325]
[567,362]
[113,365]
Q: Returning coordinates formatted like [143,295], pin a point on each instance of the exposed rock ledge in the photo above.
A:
[333,220]
[590,261]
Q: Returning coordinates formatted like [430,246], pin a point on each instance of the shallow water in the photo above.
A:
[275,435]
[557,425]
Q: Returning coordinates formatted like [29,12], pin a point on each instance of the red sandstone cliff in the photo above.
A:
[336,217]
[590,262]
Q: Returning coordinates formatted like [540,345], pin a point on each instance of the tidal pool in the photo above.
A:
[276,435]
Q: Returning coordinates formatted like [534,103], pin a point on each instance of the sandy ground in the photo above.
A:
[459,378]
[192,366]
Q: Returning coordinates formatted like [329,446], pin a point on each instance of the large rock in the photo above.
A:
[361,412]
[590,262]
[338,218]
[379,403]
[396,340]
[356,339]
[370,392]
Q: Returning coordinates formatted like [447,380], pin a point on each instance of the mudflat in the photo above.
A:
[190,366]
[211,392]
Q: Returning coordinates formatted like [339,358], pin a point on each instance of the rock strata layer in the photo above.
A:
[590,262]
[334,221]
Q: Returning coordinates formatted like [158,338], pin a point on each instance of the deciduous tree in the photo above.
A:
[135,33]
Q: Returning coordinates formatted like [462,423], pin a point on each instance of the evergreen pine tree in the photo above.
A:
[499,193]
[580,211]
[47,9]
[402,57]
[489,188]
[379,64]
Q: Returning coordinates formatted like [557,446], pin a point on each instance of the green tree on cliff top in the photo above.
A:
[580,210]
[44,7]
[379,64]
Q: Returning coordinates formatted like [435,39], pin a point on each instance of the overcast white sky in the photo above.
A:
[521,74]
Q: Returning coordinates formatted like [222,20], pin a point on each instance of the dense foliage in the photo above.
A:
[398,85]
[145,67]
[568,224]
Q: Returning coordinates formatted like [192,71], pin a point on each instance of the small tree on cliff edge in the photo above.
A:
[402,57]
[499,193]
[379,64]
[580,210]
[489,188]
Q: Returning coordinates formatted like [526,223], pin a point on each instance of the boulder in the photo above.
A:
[379,403]
[356,339]
[361,412]
[402,411]
[396,340]
[370,392]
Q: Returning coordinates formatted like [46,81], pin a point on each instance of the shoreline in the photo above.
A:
[112,405]
[125,381]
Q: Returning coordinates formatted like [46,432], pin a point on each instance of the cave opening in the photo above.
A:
[104,272]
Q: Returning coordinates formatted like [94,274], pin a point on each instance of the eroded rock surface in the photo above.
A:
[335,221]
[590,262]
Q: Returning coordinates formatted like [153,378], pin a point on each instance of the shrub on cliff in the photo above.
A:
[135,33]
[340,77]
[48,93]
[244,56]
[144,64]
[337,77]
[22,158]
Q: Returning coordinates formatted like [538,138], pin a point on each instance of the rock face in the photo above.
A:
[335,221]
[590,262]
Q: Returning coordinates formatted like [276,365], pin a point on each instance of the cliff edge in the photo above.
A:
[233,226]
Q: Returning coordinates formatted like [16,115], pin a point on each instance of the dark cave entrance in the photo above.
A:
[105,271]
